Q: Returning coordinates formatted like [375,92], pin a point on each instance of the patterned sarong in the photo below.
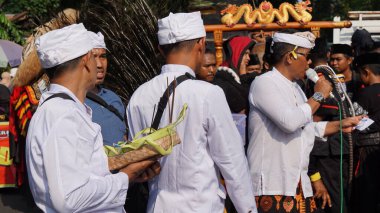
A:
[288,204]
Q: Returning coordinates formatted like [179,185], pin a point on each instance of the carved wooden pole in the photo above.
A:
[218,40]
[316,31]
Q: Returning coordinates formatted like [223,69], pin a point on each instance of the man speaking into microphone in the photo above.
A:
[281,127]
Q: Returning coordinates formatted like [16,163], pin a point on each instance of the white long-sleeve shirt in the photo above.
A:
[281,136]
[189,178]
[67,166]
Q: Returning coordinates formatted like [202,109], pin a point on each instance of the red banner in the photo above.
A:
[7,169]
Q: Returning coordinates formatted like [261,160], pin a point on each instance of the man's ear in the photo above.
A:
[350,59]
[289,58]
[202,44]
[366,71]
[85,60]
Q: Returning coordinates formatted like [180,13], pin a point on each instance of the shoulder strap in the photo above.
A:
[97,99]
[164,99]
[59,95]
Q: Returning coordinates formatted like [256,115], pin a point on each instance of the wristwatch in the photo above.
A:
[318,97]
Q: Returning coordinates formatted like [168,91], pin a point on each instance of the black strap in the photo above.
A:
[165,97]
[59,95]
[97,99]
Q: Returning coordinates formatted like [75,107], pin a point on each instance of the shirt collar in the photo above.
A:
[101,91]
[56,88]
[283,78]
[177,68]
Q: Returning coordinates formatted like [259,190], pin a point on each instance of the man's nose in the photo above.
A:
[98,63]
[309,61]
[212,69]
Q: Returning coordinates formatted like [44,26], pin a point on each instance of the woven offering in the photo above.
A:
[154,143]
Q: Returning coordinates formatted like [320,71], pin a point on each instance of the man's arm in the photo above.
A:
[267,98]
[333,127]
[226,149]
[68,153]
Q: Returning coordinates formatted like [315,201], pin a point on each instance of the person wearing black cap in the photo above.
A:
[367,176]
[341,57]
[362,42]
[325,156]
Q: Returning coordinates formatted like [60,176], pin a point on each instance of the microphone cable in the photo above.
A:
[342,115]
[341,157]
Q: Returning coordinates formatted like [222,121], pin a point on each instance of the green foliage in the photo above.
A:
[364,5]
[35,8]
[326,10]
[9,30]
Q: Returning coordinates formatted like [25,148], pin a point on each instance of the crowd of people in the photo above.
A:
[300,151]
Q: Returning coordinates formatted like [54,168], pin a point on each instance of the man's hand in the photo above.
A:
[149,173]
[135,170]
[320,191]
[323,86]
[349,123]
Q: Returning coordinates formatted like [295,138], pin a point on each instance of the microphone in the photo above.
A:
[313,76]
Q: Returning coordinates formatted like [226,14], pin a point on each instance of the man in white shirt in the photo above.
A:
[281,129]
[67,166]
[189,178]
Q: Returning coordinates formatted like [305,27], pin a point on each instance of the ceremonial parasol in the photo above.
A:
[10,53]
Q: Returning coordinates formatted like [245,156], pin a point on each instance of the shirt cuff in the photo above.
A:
[320,129]
[306,109]
[124,179]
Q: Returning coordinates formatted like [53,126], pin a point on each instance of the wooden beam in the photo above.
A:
[314,27]
[275,26]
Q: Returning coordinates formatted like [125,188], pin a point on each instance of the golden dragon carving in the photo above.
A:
[265,13]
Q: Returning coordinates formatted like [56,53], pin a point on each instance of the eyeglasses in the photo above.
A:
[306,55]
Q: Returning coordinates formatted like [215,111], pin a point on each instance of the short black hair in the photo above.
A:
[370,60]
[56,71]
[267,53]
[319,52]
[279,49]
[374,68]
[254,60]
[209,51]
[183,45]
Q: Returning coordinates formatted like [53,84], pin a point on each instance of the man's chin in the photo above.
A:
[99,81]
[336,69]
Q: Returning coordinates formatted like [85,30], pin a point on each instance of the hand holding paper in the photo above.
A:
[364,124]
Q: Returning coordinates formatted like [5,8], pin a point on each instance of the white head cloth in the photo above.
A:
[300,39]
[13,71]
[62,45]
[180,27]
[97,39]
